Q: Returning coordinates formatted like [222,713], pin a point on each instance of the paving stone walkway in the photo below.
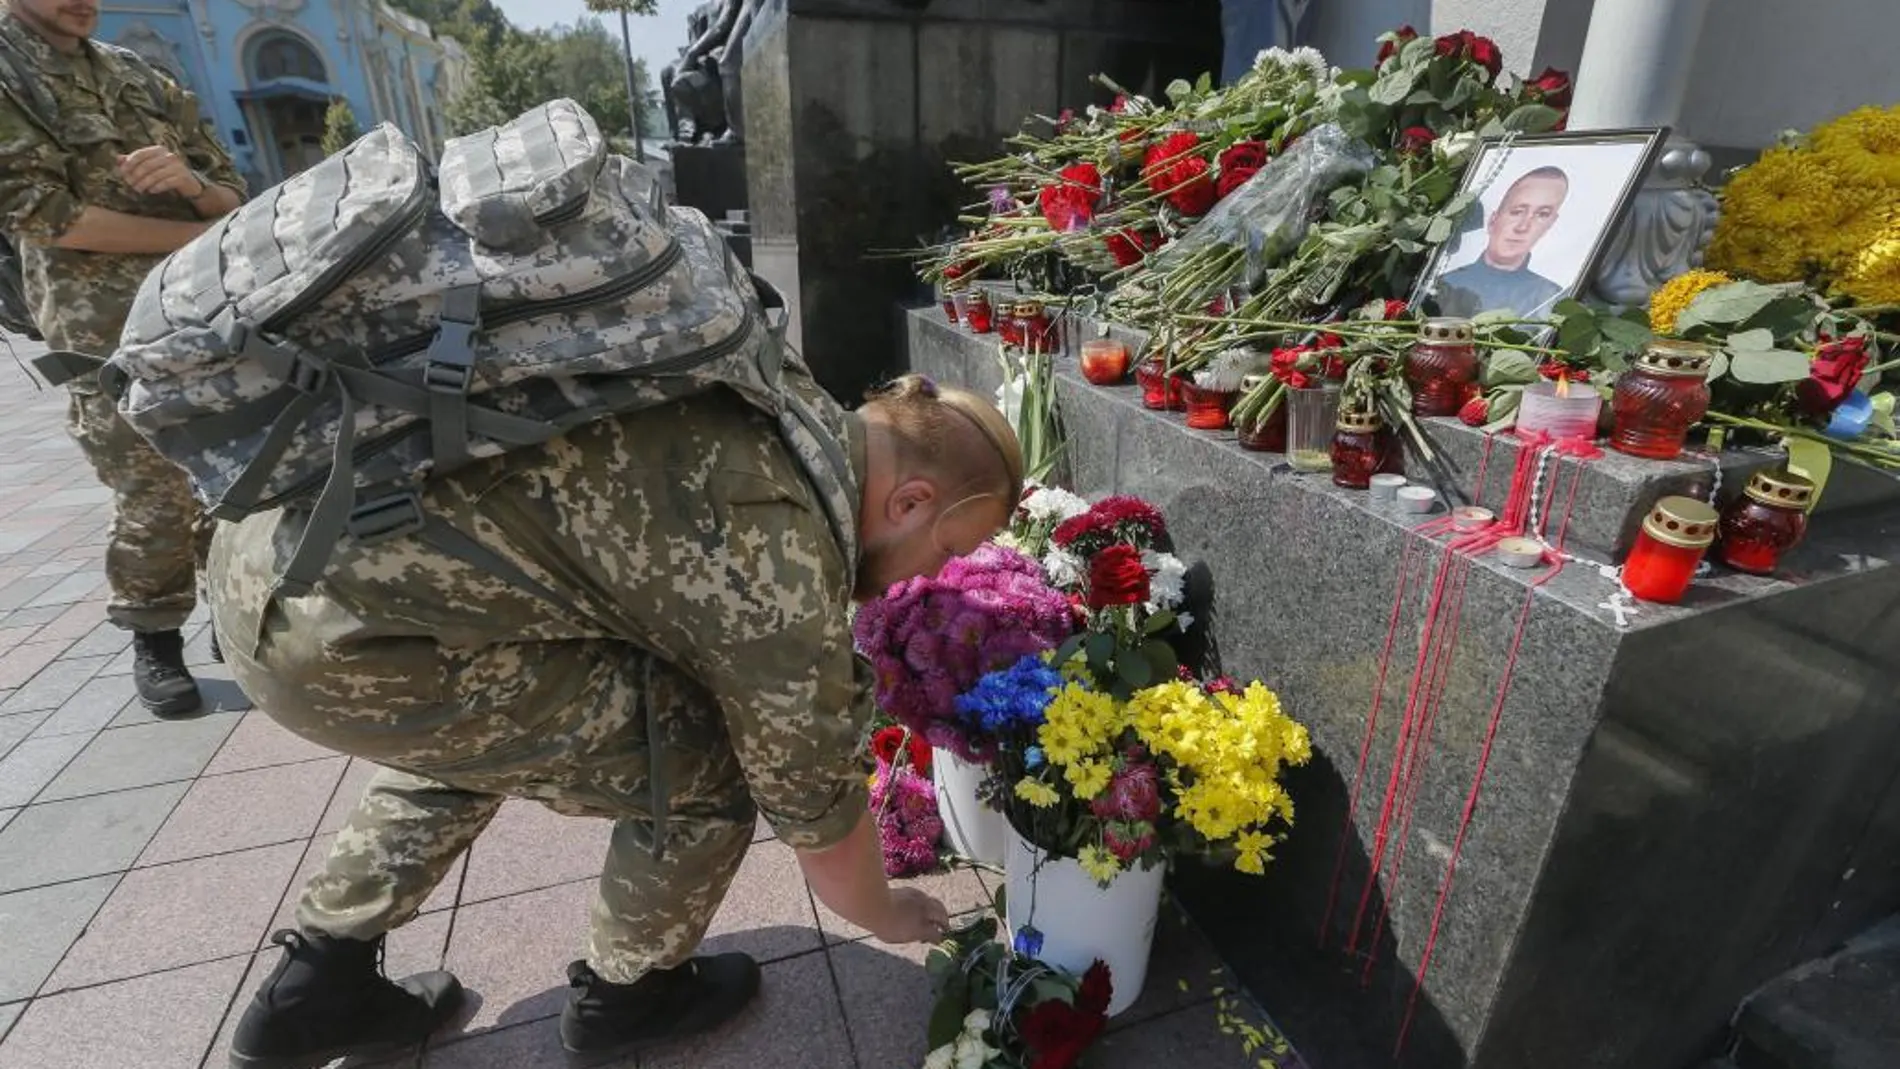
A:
[143,864]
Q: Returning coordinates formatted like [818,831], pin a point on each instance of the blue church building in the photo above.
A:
[267,70]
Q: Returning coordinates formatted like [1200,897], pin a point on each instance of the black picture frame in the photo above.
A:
[1483,160]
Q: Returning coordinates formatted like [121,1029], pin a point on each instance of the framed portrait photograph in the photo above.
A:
[1545,208]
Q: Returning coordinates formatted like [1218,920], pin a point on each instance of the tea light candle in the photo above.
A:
[1417,498]
[1569,413]
[1472,518]
[1520,552]
[1386,487]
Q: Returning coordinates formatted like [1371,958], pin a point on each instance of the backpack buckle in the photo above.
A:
[451,359]
[392,516]
[307,374]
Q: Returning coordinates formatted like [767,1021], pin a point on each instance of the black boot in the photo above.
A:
[158,668]
[605,1020]
[328,999]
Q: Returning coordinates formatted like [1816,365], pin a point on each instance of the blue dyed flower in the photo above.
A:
[1028,942]
[1011,701]
[1032,757]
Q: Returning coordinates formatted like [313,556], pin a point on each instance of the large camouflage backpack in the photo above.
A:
[368,325]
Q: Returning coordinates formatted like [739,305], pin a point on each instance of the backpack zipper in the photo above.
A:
[379,243]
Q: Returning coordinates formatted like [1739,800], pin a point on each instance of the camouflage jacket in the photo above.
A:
[689,530]
[80,299]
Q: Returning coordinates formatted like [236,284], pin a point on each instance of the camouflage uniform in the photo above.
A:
[703,595]
[80,299]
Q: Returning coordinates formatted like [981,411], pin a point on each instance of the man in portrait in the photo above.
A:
[1502,277]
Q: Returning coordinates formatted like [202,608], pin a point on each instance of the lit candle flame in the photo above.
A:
[1563,384]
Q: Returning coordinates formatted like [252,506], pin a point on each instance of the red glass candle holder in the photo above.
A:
[949,302]
[1037,330]
[1009,326]
[977,311]
[1207,410]
[1673,539]
[1767,521]
[1358,449]
[1160,390]
[1440,366]
[1659,399]
[1104,361]
[1394,463]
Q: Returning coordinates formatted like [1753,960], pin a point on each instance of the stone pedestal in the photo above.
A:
[710,178]
[856,109]
[1673,813]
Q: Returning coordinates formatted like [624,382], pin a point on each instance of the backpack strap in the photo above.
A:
[61,366]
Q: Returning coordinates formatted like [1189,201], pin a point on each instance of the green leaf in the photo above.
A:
[1439,232]
[1812,459]
[1624,334]
[1570,306]
[1722,306]
[1503,410]
[1507,367]
[1719,366]
[1158,623]
[1392,89]
[1179,91]
[953,1005]
[1135,671]
[1883,413]
[1100,647]
[1418,50]
[1205,83]
[1760,341]
[1066,651]
[1162,662]
[1532,118]
[1578,335]
[1773,366]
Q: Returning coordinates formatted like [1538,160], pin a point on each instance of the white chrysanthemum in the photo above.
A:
[977,1023]
[1052,504]
[973,1053]
[943,1057]
[1167,580]
[1063,568]
[1454,148]
[1184,620]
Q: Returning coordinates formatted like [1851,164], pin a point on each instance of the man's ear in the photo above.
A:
[910,501]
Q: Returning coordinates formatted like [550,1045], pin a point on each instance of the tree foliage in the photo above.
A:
[521,69]
[339,127]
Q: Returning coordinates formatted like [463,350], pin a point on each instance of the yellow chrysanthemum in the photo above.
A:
[1874,277]
[1098,863]
[1089,778]
[1037,793]
[1253,857]
[1668,303]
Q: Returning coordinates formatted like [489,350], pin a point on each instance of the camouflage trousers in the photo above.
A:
[160,535]
[448,770]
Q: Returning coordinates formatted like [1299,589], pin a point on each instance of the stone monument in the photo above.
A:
[705,113]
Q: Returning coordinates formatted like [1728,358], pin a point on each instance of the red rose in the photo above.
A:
[1405,35]
[1551,87]
[1069,204]
[1174,170]
[1416,140]
[1129,246]
[885,742]
[1394,309]
[1835,372]
[1469,46]
[1476,412]
[1120,105]
[1057,1033]
[1551,372]
[1117,577]
[1239,162]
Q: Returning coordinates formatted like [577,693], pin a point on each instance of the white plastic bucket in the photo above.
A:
[970,828]
[1081,922]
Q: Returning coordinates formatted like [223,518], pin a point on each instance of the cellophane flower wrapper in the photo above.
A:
[1269,215]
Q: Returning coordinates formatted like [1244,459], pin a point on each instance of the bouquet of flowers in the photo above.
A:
[1114,563]
[1175,768]
[904,802]
[1042,510]
[930,639]
[999,1009]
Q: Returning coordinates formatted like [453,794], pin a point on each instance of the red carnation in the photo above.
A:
[1394,309]
[1239,162]
[1416,140]
[1404,36]
[1175,171]
[1837,368]
[1476,412]
[1117,577]
[1551,87]
[1069,204]
[1120,105]
[1125,511]
[1129,246]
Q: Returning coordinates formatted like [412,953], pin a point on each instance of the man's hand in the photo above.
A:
[913,917]
[156,169]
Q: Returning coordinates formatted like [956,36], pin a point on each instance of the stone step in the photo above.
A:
[1840,1012]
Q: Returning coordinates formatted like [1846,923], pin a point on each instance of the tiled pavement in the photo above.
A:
[143,864]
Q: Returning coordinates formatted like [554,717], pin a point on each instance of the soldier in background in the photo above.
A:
[105,167]
[691,667]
